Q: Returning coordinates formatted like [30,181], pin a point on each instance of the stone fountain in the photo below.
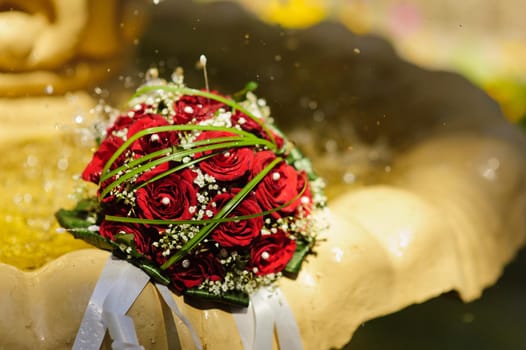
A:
[425,176]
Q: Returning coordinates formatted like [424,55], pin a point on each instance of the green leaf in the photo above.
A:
[241,95]
[125,238]
[242,135]
[87,205]
[294,265]
[153,271]
[295,157]
[174,169]
[238,299]
[76,223]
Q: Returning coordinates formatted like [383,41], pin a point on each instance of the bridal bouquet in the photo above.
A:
[202,192]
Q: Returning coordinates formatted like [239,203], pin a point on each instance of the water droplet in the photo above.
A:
[128,82]
[28,198]
[331,146]
[493,163]
[489,174]
[490,169]
[31,161]
[63,164]
[152,74]
[48,186]
[318,116]
[178,75]
[349,178]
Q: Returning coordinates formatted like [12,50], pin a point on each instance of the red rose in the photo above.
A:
[228,166]
[108,229]
[123,121]
[193,270]
[281,185]
[236,233]
[168,198]
[107,148]
[113,205]
[271,253]
[153,142]
[143,236]
[248,124]
[193,109]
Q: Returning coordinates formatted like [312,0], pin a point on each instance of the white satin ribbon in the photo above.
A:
[122,331]
[119,285]
[268,308]
[168,299]
[117,303]
[116,276]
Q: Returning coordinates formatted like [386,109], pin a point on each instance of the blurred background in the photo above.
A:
[331,66]
[483,40]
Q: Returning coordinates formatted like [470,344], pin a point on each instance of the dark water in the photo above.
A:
[494,322]
[315,80]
